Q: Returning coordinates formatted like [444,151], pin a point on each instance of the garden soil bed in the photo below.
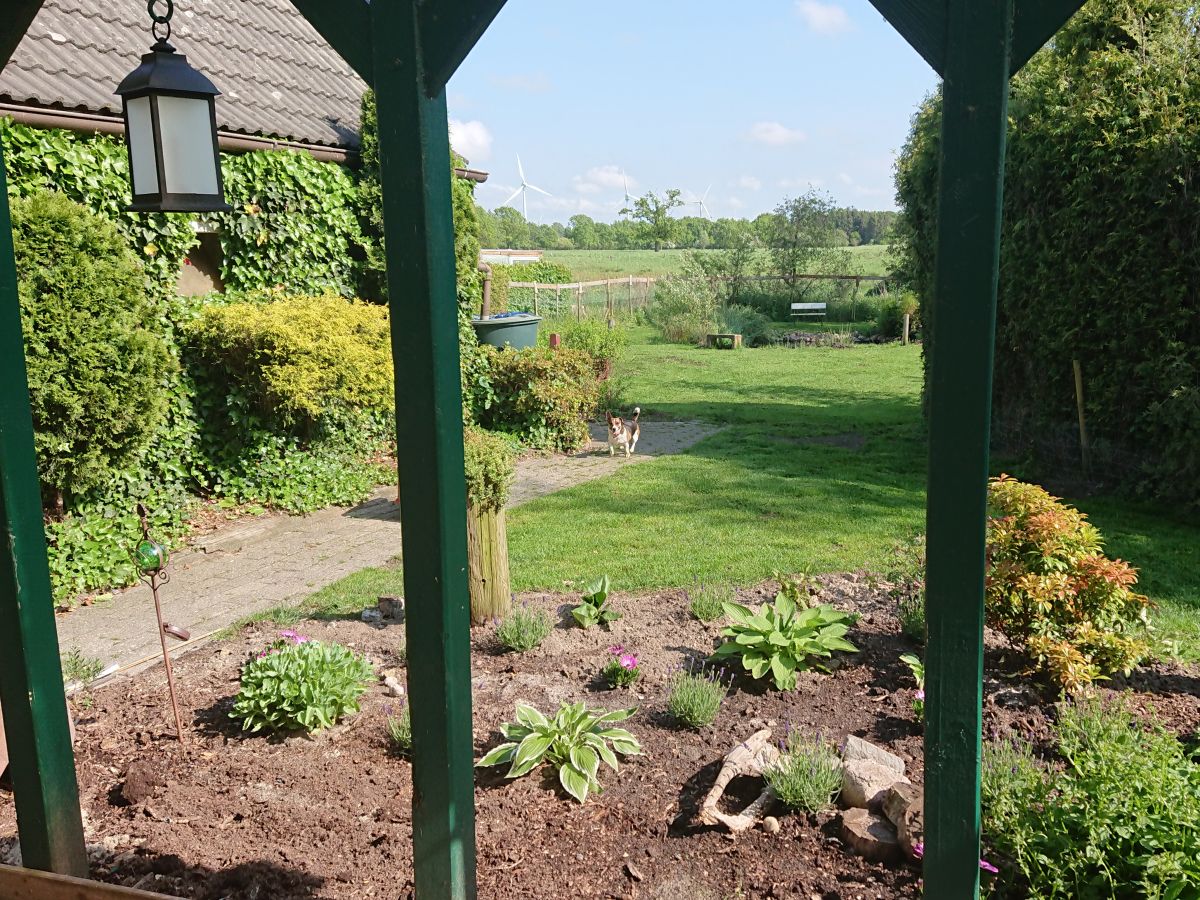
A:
[229,815]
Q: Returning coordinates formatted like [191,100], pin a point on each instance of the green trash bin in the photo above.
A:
[514,329]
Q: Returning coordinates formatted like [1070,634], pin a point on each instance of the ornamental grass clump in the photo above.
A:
[300,684]
[808,774]
[780,639]
[705,601]
[399,730]
[622,668]
[524,628]
[1052,590]
[696,696]
[575,742]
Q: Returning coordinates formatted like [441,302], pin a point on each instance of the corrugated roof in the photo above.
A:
[278,77]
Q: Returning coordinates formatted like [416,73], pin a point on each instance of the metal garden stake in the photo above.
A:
[150,557]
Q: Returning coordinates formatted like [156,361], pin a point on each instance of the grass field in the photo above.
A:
[821,468]
[593,265]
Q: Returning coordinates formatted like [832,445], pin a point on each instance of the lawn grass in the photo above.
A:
[593,265]
[816,472]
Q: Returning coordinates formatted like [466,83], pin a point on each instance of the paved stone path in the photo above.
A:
[255,565]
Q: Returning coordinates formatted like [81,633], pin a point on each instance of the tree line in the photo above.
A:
[648,224]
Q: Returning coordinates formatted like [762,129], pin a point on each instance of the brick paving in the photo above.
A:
[255,565]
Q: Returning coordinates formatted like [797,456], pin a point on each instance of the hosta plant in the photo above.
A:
[594,608]
[303,685]
[575,742]
[780,639]
[918,672]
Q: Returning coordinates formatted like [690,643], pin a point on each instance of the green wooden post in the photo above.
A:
[414,151]
[31,686]
[975,98]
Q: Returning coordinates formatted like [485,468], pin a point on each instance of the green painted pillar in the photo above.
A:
[975,98]
[414,150]
[31,686]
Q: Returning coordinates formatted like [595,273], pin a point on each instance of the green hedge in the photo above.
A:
[1099,255]
[542,397]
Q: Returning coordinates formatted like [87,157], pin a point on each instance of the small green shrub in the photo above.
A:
[489,468]
[300,684]
[807,776]
[889,323]
[751,324]
[593,608]
[94,344]
[695,698]
[77,667]
[1118,819]
[707,601]
[592,336]
[575,742]
[524,628]
[399,730]
[1051,589]
[622,669]
[780,639]
[685,308]
[542,397]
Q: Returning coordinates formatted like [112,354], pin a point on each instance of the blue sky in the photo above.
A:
[759,99]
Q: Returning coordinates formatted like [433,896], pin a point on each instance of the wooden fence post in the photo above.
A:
[978,41]
[535,300]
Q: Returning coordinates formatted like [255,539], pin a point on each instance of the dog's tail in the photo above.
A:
[637,411]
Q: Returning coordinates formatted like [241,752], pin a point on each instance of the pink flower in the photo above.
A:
[987,866]
[920,695]
[616,649]
[919,850]
[294,637]
[628,661]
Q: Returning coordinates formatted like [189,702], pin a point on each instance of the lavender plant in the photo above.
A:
[524,628]
[399,730]
[696,696]
[808,774]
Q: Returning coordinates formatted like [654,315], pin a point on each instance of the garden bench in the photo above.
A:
[808,309]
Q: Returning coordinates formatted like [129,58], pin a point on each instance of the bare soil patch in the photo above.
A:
[236,816]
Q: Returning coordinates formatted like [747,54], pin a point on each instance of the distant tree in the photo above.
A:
[583,232]
[653,213]
[803,238]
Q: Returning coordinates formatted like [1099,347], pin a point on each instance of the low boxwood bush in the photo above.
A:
[1051,589]
[489,468]
[542,397]
[300,684]
[1114,815]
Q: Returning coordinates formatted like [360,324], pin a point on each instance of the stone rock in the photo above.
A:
[865,783]
[142,782]
[904,805]
[372,616]
[870,836]
[858,749]
[770,825]
[394,687]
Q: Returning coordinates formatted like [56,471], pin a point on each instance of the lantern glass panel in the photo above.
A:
[141,146]
[189,163]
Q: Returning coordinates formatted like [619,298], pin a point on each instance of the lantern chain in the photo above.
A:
[162,19]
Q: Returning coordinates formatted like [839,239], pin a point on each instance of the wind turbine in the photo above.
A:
[699,201]
[629,198]
[524,190]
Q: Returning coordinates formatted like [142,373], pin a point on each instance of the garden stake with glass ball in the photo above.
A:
[150,558]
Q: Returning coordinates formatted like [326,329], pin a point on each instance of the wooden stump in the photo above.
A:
[487,564]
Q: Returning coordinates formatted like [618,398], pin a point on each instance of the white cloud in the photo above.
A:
[823,18]
[775,134]
[602,178]
[471,139]
[535,83]
[749,183]
[735,202]
[844,178]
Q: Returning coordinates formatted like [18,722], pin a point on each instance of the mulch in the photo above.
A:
[237,816]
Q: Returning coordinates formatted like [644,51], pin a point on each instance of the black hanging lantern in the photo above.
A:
[171,129]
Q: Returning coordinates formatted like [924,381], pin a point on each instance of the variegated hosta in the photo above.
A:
[781,639]
[576,741]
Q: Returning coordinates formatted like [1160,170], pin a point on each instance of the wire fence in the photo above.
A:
[847,298]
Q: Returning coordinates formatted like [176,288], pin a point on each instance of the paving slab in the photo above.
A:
[273,560]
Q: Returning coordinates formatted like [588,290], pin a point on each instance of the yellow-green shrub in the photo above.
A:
[300,356]
[1051,588]
[489,468]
